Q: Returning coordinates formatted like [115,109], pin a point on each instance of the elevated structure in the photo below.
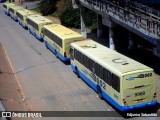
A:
[135,17]
[153,2]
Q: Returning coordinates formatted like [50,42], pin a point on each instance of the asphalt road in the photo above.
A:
[46,82]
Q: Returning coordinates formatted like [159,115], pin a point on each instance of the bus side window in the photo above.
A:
[97,71]
[87,62]
[93,66]
[72,53]
[75,54]
[109,78]
[36,26]
[101,72]
[105,75]
[116,83]
[81,60]
[78,55]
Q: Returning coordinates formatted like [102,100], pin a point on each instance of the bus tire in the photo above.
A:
[77,73]
[46,45]
[56,54]
[99,92]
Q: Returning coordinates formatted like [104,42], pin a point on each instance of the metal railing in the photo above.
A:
[138,16]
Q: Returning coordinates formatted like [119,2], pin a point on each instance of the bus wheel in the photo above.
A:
[99,92]
[56,54]
[46,45]
[77,73]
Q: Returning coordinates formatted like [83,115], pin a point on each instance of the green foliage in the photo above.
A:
[48,6]
[71,17]
[56,14]
[36,9]
[90,17]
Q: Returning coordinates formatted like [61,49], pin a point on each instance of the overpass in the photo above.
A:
[135,17]
[153,2]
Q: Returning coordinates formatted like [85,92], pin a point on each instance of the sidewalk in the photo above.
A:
[10,94]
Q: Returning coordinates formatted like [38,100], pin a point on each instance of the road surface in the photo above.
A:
[47,84]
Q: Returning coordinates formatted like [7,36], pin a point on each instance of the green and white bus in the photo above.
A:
[6,7]
[13,10]
[124,82]
[22,16]
[35,24]
[58,39]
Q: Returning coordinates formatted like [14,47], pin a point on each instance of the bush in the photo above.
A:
[48,6]
[71,17]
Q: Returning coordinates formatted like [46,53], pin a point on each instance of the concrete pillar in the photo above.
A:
[156,50]
[111,38]
[106,21]
[74,4]
[130,42]
[99,25]
[83,26]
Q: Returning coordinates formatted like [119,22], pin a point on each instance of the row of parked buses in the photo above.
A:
[123,82]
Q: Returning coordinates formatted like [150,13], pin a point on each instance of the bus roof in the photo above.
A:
[62,31]
[38,19]
[14,7]
[25,12]
[9,4]
[108,58]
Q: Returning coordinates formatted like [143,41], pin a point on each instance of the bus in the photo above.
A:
[13,10]
[35,24]
[123,82]
[6,7]
[57,38]
[22,16]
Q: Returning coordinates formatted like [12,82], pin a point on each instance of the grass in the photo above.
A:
[56,14]
[36,9]
[92,27]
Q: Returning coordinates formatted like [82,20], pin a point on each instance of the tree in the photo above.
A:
[71,17]
[48,6]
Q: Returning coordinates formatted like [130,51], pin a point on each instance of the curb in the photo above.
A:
[22,95]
